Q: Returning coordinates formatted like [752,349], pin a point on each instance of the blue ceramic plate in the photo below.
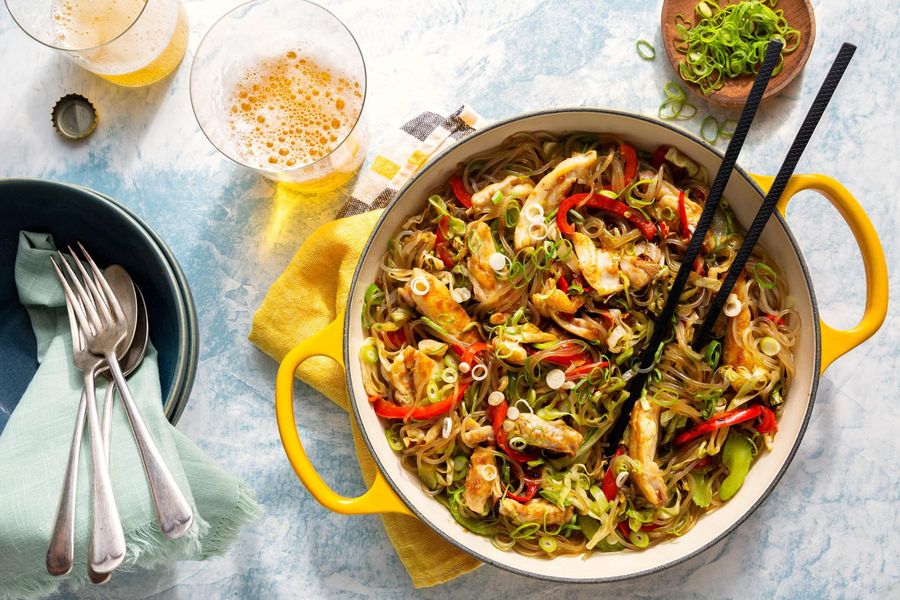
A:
[113,234]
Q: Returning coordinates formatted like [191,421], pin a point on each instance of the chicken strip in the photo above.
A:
[472,436]
[440,307]
[410,373]
[510,339]
[552,300]
[644,266]
[551,189]
[585,328]
[536,510]
[599,267]
[485,286]
[643,437]
[555,436]
[480,481]
[734,354]
[667,198]
[513,186]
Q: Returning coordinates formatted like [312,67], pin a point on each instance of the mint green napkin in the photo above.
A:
[34,448]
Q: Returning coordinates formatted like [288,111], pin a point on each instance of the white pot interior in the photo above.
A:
[745,200]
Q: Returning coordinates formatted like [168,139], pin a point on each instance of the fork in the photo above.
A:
[107,538]
[103,324]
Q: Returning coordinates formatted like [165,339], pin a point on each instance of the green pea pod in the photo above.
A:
[736,456]
[702,490]
[477,527]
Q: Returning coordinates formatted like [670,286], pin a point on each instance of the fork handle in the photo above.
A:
[61,553]
[107,545]
[172,509]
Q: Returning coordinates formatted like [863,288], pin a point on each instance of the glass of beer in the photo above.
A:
[128,42]
[278,86]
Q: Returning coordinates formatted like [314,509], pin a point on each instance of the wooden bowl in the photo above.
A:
[799,14]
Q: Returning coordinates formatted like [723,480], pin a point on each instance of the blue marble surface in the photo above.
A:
[830,529]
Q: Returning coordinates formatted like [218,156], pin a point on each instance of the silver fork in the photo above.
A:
[107,327]
[107,538]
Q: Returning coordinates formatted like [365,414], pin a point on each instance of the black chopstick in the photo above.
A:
[663,323]
[781,180]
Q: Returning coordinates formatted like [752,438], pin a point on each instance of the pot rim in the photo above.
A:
[438,530]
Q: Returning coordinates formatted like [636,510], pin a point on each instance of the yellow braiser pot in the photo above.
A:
[398,491]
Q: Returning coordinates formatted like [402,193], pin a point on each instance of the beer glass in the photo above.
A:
[278,86]
[129,42]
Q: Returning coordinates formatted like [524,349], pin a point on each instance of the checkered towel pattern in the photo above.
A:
[411,147]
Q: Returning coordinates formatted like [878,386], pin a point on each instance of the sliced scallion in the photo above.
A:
[645,49]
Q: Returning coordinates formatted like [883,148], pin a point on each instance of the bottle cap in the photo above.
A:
[74,117]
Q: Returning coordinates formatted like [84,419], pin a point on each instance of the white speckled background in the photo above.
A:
[830,529]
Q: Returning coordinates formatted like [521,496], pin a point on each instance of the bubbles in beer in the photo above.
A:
[291,111]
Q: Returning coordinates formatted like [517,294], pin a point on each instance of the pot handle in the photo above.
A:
[836,342]
[380,498]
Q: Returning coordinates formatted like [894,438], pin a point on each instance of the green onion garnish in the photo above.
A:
[765,276]
[639,539]
[712,353]
[645,50]
[547,544]
[675,106]
[373,295]
[393,440]
[730,41]
[369,354]
[709,122]
[769,346]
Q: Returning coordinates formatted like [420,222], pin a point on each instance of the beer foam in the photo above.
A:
[291,111]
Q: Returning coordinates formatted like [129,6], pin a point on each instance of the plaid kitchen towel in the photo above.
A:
[404,153]
[314,288]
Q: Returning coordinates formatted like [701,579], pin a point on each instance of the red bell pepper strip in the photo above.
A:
[768,422]
[698,266]
[563,360]
[562,214]
[530,490]
[562,284]
[659,157]
[609,486]
[468,355]
[585,369]
[777,321]
[732,417]
[440,242]
[389,410]
[624,530]
[682,217]
[397,338]
[631,162]
[663,229]
[498,415]
[601,202]
[459,190]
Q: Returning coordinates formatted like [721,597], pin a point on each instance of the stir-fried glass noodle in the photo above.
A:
[503,328]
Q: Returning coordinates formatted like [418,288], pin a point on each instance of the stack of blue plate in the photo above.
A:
[113,234]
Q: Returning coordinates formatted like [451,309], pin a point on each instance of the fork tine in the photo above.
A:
[98,298]
[77,318]
[86,304]
[101,279]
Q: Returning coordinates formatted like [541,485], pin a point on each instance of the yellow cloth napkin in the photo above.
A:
[314,288]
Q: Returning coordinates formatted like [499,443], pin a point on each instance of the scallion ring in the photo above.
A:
[765,276]
[645,49]
[547,544]
[710,122]
[517,443]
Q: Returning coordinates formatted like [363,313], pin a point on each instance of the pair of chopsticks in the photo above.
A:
[663,325]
